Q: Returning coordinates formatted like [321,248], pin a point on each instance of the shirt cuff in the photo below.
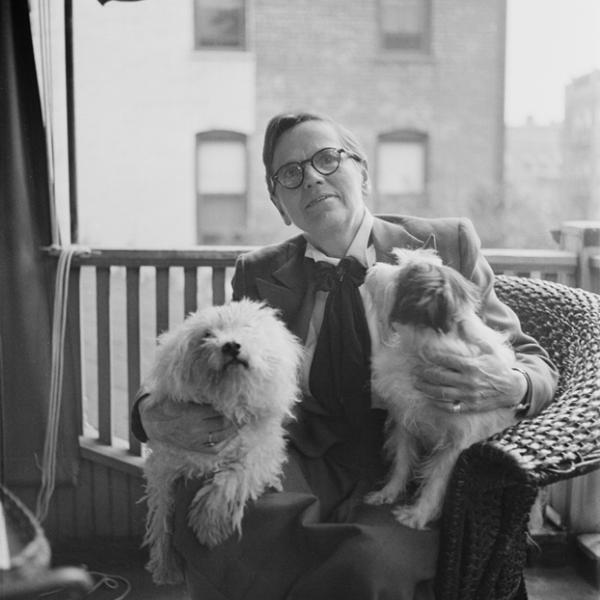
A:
[524,405]
[136,420]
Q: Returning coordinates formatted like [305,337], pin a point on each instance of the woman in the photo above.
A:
[317,539]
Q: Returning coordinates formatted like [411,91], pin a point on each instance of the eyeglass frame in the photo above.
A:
[302,164]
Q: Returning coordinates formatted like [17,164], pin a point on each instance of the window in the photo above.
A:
[405,24]
[402,164]
[219,24]
[221,186]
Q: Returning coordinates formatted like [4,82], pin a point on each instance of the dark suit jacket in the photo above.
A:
[276,274]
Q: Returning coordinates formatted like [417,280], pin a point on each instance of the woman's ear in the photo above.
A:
[281,209]
[366,181]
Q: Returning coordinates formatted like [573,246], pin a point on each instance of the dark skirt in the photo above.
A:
[316,540]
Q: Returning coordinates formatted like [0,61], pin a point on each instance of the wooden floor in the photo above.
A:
[119,572]
[559,583]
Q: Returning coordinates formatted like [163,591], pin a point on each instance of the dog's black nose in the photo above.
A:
[231,348]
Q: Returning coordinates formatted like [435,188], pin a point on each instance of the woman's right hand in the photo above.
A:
[189,426]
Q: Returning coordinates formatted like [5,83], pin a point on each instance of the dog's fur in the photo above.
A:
[240,359]
[424,307]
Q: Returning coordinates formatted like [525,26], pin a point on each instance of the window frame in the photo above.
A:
[403,136]
[425,37]
[199,47]
[237,231]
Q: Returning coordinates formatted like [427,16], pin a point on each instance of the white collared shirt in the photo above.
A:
[359,248]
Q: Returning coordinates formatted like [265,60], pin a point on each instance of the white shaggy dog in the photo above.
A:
[424,307]
[240,359]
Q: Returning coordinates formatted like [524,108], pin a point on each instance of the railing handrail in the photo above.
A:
[531,259]
[225,256]
[197,256]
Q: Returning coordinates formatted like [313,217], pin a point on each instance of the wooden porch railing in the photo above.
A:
[130,283]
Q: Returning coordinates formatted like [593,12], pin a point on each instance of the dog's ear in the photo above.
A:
[421,298]
[446,303]
[437,305]
[428,307]
[174,364]
[430,243]
[464,294]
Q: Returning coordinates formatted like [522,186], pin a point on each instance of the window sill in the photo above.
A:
[222,54]
[404,56]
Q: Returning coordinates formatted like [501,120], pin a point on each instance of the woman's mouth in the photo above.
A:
[319,199]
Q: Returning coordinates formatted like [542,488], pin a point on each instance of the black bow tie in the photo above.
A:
[327,276]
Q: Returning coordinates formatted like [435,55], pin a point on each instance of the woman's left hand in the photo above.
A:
[470,384]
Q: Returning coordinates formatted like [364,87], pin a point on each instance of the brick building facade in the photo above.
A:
[172,100]
[581,146]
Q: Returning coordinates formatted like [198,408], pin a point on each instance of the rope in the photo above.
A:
[111,582]
[104,580]
[59,321]
[61,290]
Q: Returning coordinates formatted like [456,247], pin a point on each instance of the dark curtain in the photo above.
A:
[26,277]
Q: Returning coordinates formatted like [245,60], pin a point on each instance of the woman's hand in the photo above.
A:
[470,384]
[194,427]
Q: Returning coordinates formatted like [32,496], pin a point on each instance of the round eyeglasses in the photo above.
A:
[325,161]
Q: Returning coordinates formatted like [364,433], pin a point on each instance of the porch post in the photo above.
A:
[583,237]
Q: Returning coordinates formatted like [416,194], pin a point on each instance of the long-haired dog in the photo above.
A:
[241,360]
[422,308]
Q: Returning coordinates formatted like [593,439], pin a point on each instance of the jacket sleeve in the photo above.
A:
[532,358]
[243,283]
[136,420]
[237,281]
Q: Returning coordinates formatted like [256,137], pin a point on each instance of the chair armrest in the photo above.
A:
[564,440]
[560,443]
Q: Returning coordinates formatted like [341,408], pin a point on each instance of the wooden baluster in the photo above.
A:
[104,378]
[162,299]
[74,344]
[218,285]
[133,346]
[595,273]
[190,290]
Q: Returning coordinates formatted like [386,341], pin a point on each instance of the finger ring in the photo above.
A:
[456,407]
[209,443]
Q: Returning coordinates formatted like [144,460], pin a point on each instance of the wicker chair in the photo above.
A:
[495,483]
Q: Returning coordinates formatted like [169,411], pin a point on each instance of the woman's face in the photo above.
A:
[323,204]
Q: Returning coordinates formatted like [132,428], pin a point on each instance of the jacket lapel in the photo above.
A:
[287,288]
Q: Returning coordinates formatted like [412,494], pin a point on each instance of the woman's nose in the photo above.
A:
[311,175]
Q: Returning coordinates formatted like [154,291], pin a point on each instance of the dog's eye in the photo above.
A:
[208,335]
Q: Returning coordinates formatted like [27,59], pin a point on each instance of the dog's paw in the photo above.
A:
[276,485]
[389,493]
[411,516]
[379,497]
[165,570]
[214,515]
